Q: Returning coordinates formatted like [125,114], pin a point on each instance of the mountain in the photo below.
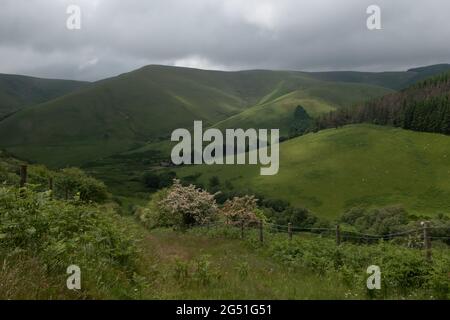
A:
[393,80]
[18,91]
[123,112]
[358,165]
[144,106]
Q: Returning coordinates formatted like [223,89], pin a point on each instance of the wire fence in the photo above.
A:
[415,237]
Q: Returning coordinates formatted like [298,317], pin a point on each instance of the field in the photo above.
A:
[360,165]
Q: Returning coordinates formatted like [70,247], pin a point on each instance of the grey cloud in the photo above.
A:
[118,36]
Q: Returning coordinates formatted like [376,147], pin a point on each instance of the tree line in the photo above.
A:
[424,106]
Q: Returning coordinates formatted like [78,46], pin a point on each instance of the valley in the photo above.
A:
[118,129]
[344,189]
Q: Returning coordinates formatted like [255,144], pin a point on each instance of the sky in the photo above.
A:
[118,36]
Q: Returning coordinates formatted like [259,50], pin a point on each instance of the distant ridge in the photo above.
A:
[17,91]
[70,122]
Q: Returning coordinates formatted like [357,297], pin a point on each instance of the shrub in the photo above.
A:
[71,181]
[186,206]
[377,221]
[151,216]
[55,234]
[158,181]
[59,229]
[240,210]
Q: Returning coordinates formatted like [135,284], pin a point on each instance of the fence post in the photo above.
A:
[290,230]
[50,187]
[23,175]
[338,235]
[427,240]
[261,236]
[242,229]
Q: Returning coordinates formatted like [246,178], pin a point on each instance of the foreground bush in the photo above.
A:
[55,234]
[73,181]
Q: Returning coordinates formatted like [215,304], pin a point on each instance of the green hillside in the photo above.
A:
[336,169]
[321,98]
[143,107]
[146,105]
[19,91]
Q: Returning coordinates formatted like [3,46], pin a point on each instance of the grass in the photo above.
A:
[360,165]
[229,269]
[214,264]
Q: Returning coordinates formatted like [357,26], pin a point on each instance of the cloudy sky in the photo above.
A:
[117,36]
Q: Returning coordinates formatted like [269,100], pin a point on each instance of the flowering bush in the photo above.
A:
[187,206]
[241,209]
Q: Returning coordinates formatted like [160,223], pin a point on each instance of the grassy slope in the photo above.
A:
[332,170]
[267,279]
[318,99]
[117,114]
[114,114]
[19,91]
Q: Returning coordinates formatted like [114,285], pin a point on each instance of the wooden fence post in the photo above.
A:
[261,236]
[242,229]
[427,240]
[50,187]
[290,230]
[338,235]
[23,175]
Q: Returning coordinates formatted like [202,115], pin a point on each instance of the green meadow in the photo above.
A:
[359,165]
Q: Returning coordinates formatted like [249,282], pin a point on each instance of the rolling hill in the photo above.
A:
[358,165]
[321,98]
[17,91]
[146,105]
[393,80]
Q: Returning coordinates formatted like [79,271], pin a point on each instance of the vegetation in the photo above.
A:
[406,272]
[198,235]
[123,113]
[187,206]
[54,234]
[422,107]
[17,92]
[359,165]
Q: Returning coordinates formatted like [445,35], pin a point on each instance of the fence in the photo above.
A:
[424,234]
[24,179]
